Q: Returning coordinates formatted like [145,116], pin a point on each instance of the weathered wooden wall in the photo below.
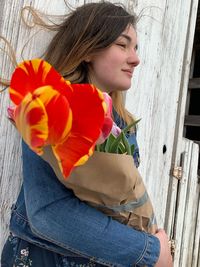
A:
[157,85]
[18,34]
[165,33]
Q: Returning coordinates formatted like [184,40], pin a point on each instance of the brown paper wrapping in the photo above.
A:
[112,184]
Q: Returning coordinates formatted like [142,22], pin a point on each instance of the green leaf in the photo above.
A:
[119,144]
[125,130]
[115,144]
[109,142]
[121,148]
[97,148]
[102,146]
[126,144]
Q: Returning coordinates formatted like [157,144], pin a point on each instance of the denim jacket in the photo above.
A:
[48,214]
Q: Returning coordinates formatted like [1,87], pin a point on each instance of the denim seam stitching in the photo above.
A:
[99,260]
[71,249]
[144,251]
[22,217]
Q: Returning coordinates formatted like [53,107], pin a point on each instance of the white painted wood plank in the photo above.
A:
[185,222]
[10,160]
[196,248]
[181,201]
[190,212]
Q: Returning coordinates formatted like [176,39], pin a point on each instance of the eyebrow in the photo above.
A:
[128,38]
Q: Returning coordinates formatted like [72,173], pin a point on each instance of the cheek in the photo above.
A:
[109,65]
[102,67]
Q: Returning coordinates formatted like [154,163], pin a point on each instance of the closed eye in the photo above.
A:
[121,45]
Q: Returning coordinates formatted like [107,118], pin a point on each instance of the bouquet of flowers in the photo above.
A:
[70,126]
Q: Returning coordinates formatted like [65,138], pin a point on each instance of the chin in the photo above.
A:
[121,87]
[124,88]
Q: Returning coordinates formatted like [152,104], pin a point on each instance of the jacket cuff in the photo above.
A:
[151,252]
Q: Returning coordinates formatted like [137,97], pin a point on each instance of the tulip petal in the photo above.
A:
[75,151]
[58,112]
[32,122]
[105,130]
[11,111]
[115,130]
[108,101]
[108,122]
[88,109]
[37,118]
[31,74]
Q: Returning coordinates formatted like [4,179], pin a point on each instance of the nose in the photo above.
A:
[133,58]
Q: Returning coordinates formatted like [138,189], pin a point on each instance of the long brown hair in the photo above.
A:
[84,32]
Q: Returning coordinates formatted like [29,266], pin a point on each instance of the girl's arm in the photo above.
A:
[56,215]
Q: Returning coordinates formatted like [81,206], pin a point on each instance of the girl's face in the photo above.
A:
[112,69]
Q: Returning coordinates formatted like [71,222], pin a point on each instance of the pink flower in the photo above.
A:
[115,130]
[10,111]
[108,122]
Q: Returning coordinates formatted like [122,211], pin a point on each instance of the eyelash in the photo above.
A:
[122,45]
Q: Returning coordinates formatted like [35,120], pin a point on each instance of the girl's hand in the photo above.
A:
[165,258]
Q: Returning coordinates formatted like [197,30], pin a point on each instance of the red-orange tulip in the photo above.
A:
[51,111]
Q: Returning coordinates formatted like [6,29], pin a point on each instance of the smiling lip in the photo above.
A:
[129,72]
